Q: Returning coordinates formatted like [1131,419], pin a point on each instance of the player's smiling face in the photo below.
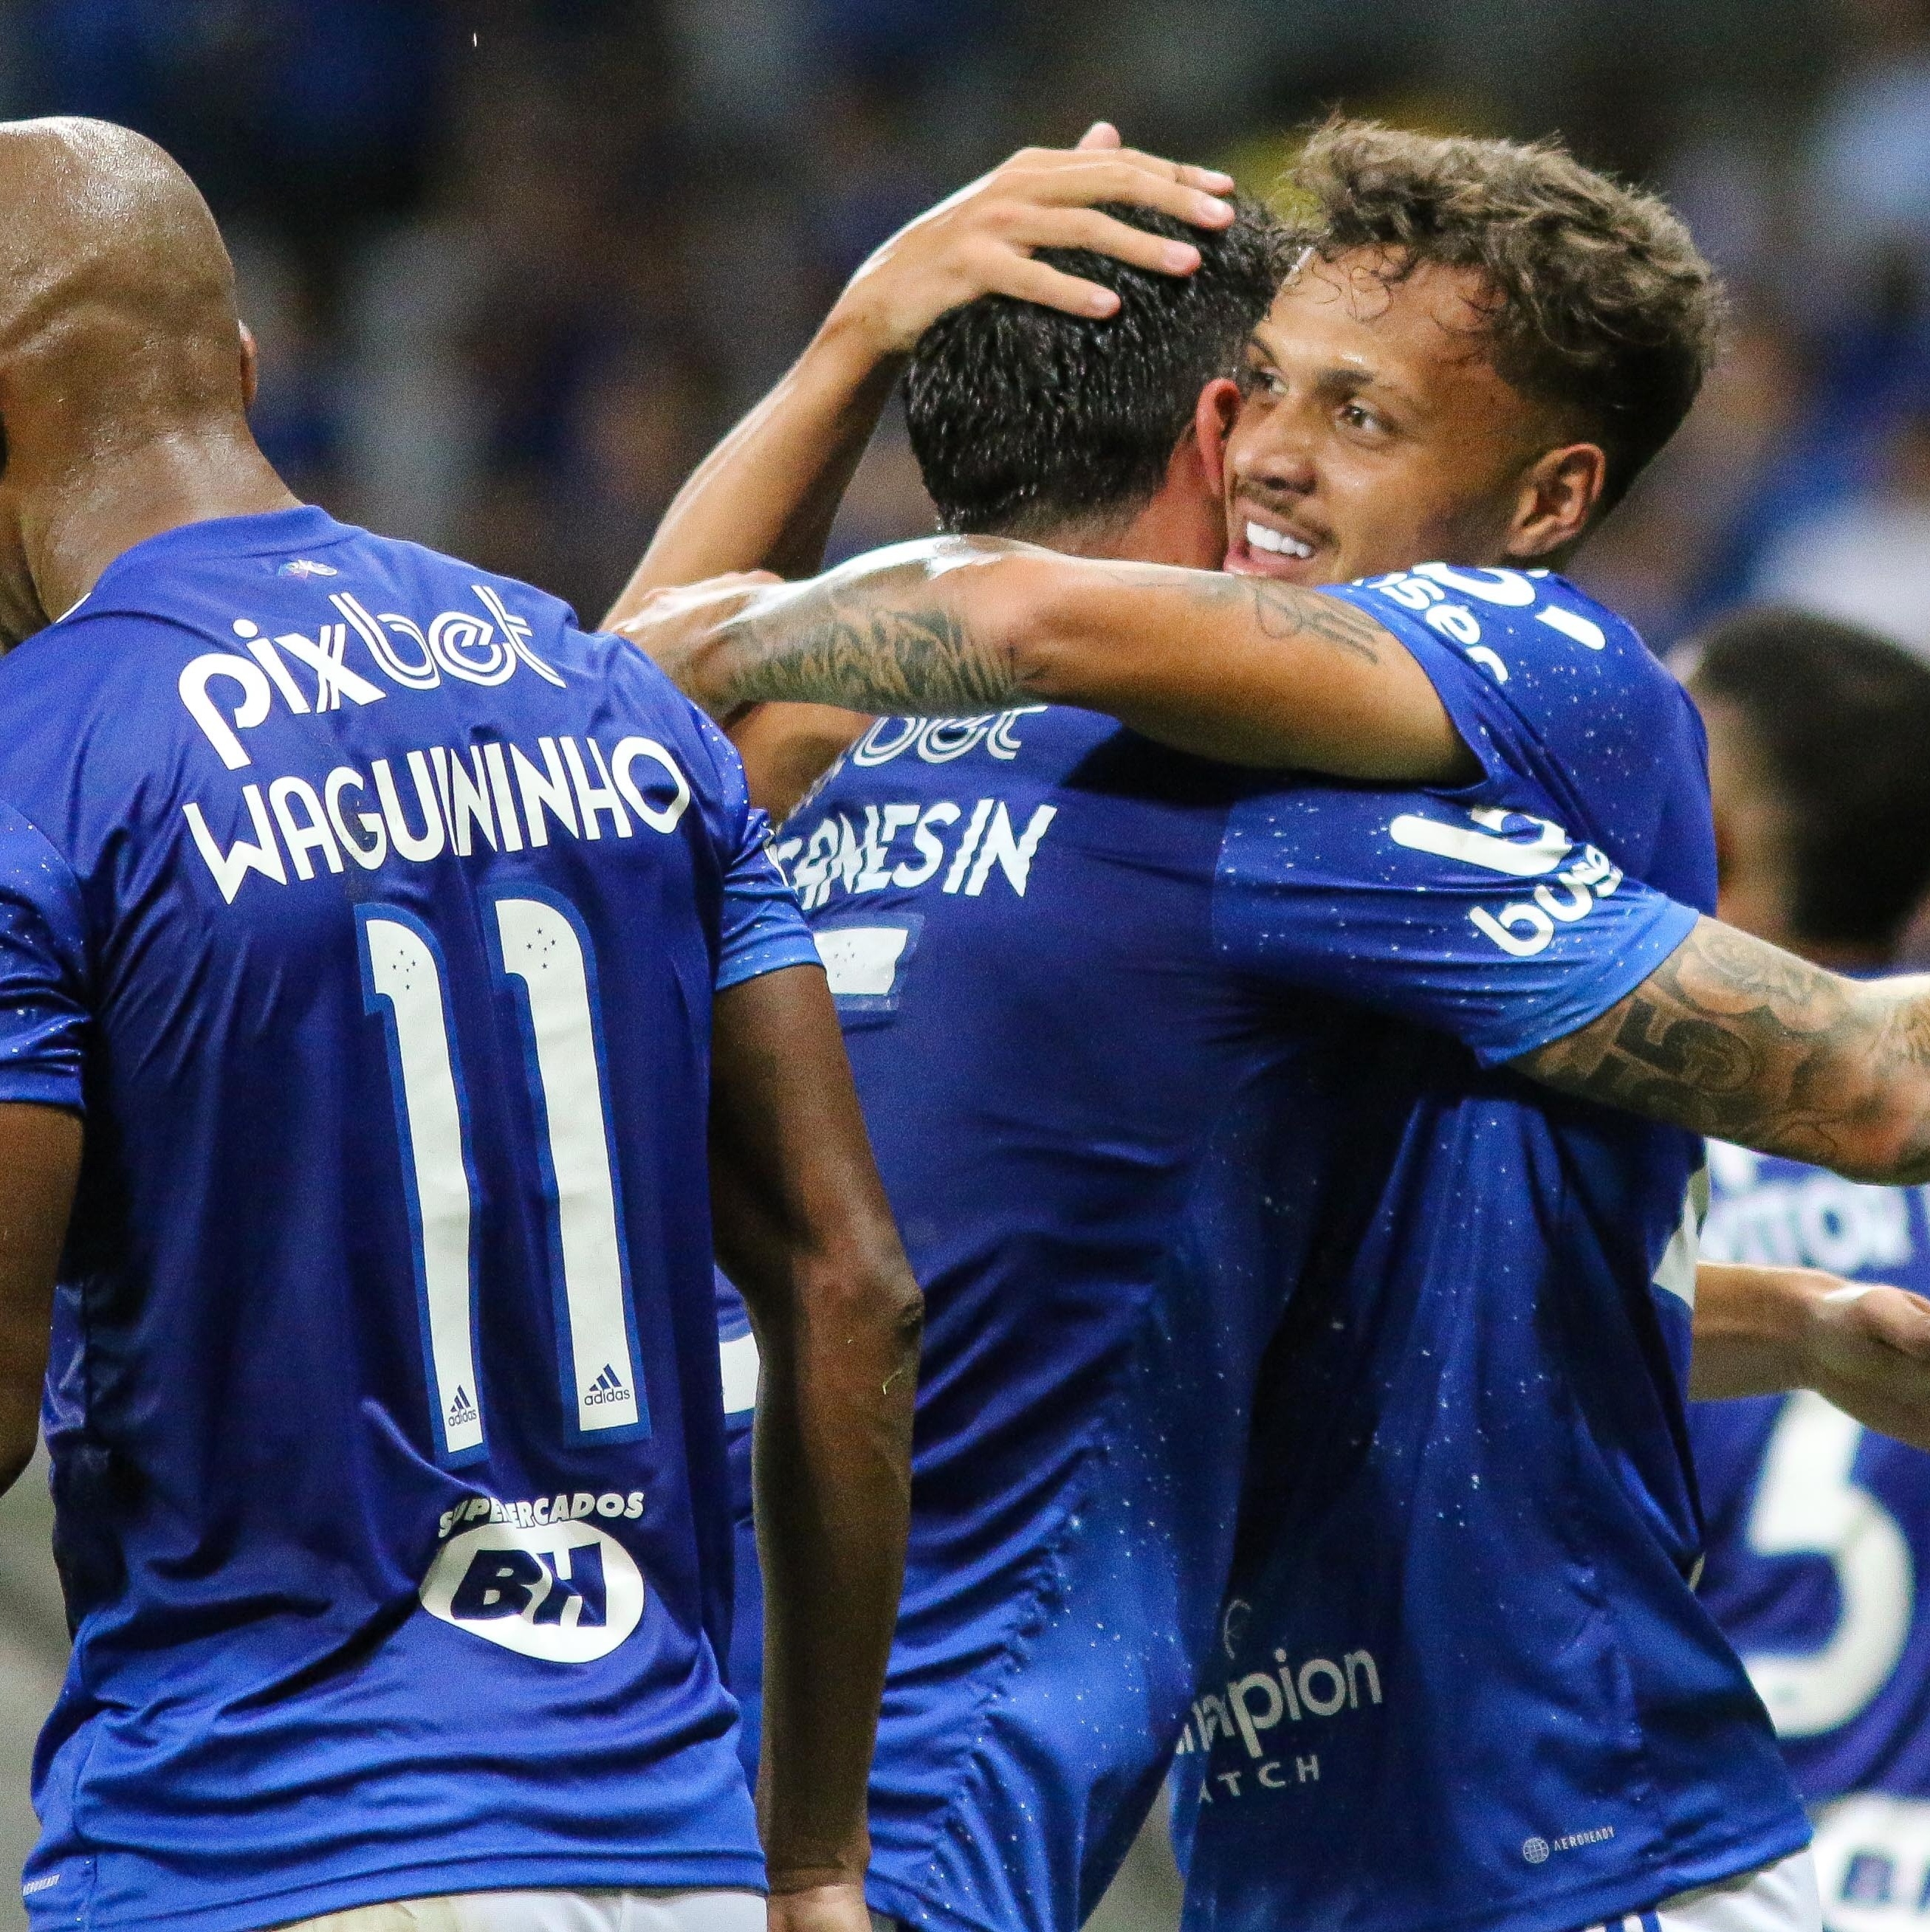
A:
[1374,433]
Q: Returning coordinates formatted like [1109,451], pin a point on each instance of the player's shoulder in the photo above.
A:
[1534,625]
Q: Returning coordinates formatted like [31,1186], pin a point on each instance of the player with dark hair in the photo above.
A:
[1819,1529]
[1821,790]
[1469,1441]
[378,952]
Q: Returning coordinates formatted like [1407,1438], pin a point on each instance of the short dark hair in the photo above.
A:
[1603,308]
[1840,717]
[1023,419]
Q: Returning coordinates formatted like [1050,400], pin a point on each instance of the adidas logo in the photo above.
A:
[608,1387]
[462,1409]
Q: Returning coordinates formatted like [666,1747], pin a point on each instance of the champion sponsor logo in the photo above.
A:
[303,566]
[608,1387]
[1234,1726]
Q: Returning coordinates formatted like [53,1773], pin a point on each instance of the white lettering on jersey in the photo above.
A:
[867,857]
[437,803]
[478,650]
[1809,1503]
[1812,1219]
[1527,926]
[1263,1699]
[938,741]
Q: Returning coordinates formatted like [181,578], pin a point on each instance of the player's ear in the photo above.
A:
[251,366]
[1214,416]
[1556,500]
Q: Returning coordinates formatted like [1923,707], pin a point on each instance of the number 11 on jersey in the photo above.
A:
[541,952]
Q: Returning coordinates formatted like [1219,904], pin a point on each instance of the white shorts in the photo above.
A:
[598,1911]
[1873,1862]
[1781,1897]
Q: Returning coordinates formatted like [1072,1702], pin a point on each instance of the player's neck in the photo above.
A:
[1173,527]
[72,528]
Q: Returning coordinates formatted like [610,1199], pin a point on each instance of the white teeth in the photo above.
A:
[1258,537]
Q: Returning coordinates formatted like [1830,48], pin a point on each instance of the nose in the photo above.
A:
[1278,457]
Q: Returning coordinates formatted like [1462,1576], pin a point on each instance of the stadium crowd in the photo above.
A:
[514,268]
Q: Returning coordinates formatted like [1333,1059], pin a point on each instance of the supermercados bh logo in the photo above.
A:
[562,1590]
[1518,846]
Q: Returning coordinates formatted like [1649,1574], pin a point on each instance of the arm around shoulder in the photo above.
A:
[1733,1037]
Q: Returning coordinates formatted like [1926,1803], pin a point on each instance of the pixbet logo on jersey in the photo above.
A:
[564,1591]
[1519,846]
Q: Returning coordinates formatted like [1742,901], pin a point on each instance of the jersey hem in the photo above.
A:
[895,1899]
[537,1871]
[772,956]
[1639,1889]
[1666,935]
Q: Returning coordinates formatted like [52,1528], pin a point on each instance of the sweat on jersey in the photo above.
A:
[1107,1007]
[371,913]
[1819,1536]
[1461,1680]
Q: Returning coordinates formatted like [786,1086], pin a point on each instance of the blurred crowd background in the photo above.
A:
[514,264]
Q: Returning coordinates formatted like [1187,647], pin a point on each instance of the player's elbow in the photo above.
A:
[1036,611]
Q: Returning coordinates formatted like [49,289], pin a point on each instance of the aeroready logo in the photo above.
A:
[1519,846]
[565,1592]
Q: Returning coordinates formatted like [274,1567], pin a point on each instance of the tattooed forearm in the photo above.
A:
[1731,1037]
[888,644]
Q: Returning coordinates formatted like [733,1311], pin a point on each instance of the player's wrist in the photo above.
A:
[862,342]
[1758,1330]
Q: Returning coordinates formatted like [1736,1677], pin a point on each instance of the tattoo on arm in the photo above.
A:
[1732,1037]
[891,641]
[875,645]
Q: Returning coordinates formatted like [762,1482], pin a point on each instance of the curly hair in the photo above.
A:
[1600,306]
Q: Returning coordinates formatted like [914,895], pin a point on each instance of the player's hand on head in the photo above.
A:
[672,625]
[822,1908]
[1869,1349]
[983,240]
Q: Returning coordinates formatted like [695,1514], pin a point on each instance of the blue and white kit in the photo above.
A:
[1115,1014]
[1819,1537]
[371,915]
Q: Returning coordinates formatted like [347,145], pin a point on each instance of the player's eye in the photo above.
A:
[1267,381]
[1358,415]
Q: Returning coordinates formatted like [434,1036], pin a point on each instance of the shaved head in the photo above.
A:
[123,379]
[117,299]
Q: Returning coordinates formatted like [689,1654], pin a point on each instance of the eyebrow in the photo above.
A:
[1344,378]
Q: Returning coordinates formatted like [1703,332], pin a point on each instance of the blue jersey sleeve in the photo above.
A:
[43,951]
[1565,708]
[1494,926]
[762,928]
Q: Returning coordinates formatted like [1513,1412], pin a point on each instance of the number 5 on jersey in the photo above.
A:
[542,952]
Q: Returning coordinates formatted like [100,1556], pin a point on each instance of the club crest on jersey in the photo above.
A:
[565,1591]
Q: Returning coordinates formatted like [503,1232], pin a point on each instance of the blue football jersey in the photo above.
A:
[1106,1008]
[371,914]
[1461,1679]
[1817,1532]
